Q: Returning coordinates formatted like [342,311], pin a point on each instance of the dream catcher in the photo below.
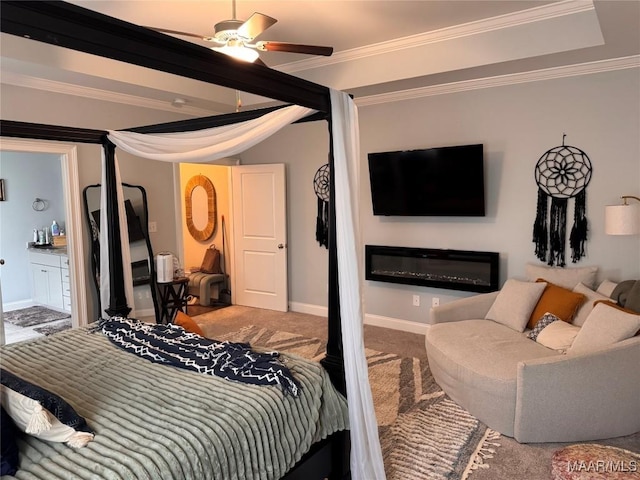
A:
[561,173]
[321,187]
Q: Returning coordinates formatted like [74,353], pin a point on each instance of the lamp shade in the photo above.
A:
[622,219]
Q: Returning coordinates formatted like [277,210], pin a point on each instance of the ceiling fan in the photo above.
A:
[234,38]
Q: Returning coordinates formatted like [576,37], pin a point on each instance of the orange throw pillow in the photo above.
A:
[563,303]
[186,322]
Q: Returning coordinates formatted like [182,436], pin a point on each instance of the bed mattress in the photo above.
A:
[155,421]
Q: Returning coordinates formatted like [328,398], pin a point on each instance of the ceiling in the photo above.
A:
[383,50]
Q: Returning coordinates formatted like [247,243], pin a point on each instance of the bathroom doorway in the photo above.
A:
[14,253]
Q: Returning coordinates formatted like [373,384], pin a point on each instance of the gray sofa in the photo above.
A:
[525,390]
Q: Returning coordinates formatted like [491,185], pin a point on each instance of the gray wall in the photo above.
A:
[516,123]
[600,114]
[27,176]
[156,177]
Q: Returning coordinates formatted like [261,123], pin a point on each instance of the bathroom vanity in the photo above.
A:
[50,277]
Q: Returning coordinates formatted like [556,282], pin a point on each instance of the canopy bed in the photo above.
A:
[76,28]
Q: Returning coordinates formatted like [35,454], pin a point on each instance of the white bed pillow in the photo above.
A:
[564,277]
[586,307]
[605,325]
[515,303]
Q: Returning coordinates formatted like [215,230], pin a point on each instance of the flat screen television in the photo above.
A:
[444,181]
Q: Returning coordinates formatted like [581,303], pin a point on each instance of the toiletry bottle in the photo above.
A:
[35,235]
[55,230]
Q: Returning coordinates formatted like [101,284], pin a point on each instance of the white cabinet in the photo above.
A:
[66,287]
[50,279]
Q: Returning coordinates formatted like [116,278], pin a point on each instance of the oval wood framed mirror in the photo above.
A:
[196,182]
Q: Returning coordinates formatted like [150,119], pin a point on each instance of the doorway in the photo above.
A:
[66,154]
[250,207]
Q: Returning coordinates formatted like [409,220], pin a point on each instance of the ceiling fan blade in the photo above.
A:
[295,48]
[255,25]
[176,32]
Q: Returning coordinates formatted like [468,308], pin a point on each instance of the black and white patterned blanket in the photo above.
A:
[173,345]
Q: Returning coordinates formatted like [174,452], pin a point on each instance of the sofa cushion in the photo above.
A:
[606,288]
[562,302]
[604,326]
[558,336]
[585,309]
[515,302]
[565,277]
[476,363]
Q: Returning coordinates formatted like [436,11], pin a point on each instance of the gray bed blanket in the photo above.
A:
[156,421]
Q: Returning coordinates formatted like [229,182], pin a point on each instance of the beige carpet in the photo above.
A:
[421,430]
[504,458]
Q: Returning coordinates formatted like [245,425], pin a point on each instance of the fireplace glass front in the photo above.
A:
[450,269]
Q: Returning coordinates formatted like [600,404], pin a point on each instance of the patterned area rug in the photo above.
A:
[28,317]
[54,328]
[423,434]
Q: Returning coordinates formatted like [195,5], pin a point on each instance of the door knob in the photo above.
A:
[280,246]
[1,261]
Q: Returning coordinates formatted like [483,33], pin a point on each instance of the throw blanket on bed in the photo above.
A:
[173,345]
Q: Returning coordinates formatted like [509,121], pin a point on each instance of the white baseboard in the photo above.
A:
[395,324]
[9,307]
[369,319]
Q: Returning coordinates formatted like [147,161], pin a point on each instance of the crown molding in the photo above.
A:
[27,81]
[599,66]
[588,68]
[523,17]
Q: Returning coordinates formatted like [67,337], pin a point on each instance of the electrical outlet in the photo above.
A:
[153,227]
[416,300]
[435,301]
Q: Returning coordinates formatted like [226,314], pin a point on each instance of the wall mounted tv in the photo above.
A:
[445,181]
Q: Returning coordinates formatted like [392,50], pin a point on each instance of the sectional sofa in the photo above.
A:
[548,358]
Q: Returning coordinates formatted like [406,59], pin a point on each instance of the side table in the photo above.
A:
[173,298]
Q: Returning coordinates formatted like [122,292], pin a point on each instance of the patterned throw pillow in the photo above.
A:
[547,319]
[8,444]
[41,413]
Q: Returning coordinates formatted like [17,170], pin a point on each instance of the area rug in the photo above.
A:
[28,317]
[54,328]
[423,434]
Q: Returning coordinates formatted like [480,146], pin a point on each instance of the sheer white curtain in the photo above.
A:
[212,144]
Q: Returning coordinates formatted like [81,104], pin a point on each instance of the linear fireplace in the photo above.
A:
[451,269]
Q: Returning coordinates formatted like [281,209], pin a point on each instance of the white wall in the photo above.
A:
[600,114]
[18,218]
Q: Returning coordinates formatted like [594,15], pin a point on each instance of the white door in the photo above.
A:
[260,236]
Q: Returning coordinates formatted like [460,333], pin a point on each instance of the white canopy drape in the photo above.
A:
[212,144]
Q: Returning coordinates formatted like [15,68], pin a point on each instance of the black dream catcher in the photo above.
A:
[561,173]
[321,187]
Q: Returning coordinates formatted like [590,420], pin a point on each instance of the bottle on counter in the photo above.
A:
[55,229]
[35,235]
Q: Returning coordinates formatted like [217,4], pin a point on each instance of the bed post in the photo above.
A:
[117,298]
[333,362]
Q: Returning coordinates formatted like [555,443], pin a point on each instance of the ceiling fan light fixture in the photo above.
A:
[238,51]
